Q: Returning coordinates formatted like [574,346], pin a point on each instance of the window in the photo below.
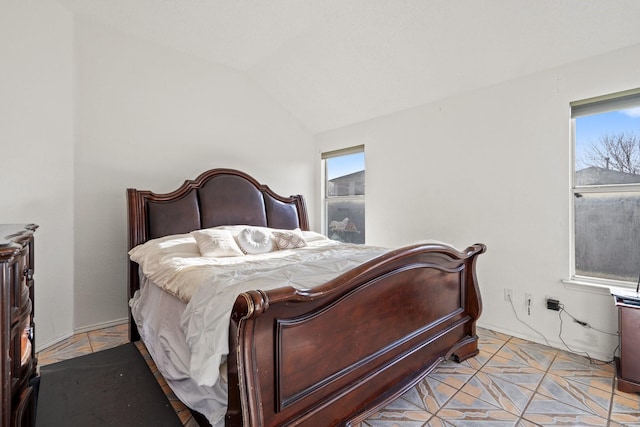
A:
[344,194]
[606,188]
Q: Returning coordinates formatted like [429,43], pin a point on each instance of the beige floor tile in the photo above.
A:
[106,338]
[77,345]
[512,382]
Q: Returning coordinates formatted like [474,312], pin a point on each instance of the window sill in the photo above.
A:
[601,287]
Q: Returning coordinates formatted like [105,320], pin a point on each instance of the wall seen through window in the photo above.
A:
[344,197]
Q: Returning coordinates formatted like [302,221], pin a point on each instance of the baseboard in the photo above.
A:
[83,330]
[102,325]
[42,347]
[554,343]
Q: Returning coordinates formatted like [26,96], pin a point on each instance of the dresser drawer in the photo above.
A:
[18,367]
[24,408]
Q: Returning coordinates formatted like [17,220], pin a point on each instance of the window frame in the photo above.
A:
[590,106]
[324,156]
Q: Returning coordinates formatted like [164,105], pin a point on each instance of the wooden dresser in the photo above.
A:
[17,344]
[628,363]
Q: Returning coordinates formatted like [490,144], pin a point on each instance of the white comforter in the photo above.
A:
[211,285]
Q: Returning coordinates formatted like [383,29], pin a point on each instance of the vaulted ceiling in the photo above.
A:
[332,63]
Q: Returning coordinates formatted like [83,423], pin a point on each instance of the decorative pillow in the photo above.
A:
[289,239]
[255,241]
[216,243]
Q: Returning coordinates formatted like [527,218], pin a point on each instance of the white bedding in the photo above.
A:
[209,287]
[157,315]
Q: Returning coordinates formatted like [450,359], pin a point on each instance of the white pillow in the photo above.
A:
[151,254]
[289,239]
[181,244]
[312,236]
[253,241]
[216,243]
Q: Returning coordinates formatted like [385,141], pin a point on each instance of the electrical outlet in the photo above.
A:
[508,294]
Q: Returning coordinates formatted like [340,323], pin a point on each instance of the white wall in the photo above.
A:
[149,117]
[86,112]
[493,166]
[36,134]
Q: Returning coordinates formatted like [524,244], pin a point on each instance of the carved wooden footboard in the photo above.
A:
[335,355]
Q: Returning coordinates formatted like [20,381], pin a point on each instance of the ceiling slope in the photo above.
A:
[332,63]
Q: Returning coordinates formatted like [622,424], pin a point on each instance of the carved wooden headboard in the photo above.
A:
[216,197]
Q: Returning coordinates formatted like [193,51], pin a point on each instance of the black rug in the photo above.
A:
[112,387]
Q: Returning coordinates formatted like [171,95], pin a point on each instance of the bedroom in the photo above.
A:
[92,110]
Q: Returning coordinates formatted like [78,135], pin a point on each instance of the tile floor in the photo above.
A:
[512,382]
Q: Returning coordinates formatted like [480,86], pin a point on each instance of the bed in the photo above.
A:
[330,352]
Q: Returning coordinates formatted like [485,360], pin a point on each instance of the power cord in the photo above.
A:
[585,324]
[526,324]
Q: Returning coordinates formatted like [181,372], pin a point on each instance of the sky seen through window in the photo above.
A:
[590,128]
[344,165]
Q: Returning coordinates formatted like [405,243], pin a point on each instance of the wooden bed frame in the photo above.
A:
[335,354]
